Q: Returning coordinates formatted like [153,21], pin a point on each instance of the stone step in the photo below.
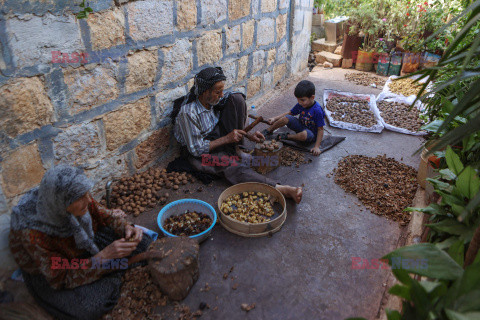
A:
[333,58]
[321,45]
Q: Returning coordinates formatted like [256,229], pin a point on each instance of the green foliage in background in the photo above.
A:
[449,287]
[83,14]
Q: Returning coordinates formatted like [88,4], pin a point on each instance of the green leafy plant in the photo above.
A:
[456,84]
[446,291]
[83,14]
[381,45]
[364,20]
[412,42]
[452,224]
[449,288]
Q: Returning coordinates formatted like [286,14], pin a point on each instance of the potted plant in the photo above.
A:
[383,57]
[365,22]
[411,43]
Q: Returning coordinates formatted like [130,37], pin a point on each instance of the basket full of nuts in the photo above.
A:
[252,209]
[268,156]
[187,217]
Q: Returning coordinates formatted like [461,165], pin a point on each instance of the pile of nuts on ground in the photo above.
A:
[291,156]
[400,115]
[138,298]
[351,110]
[251,207]
[144,190]
[405,87]
[270,145]
[188,223]
[385,186]
[365,79]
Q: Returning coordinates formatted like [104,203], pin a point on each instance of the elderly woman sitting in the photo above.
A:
[62,238]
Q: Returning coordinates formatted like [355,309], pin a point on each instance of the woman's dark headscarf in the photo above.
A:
[203,81]
[44,208]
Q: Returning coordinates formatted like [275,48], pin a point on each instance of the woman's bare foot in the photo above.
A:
[294,193]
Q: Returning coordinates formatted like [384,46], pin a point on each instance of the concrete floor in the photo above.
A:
[303,271]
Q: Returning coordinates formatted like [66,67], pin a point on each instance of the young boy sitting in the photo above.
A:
[309,125]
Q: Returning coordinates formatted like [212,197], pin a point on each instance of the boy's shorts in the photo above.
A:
[295,125]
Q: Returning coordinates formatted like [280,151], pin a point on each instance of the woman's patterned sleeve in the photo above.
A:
[106,217]
[59,271]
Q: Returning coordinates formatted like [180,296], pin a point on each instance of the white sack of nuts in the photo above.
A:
[397,115]
[352,111]
[403,88]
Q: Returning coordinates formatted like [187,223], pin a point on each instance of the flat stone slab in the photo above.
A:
[325,56]
[321,45]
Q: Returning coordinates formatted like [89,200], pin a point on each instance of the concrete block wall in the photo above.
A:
[98,92]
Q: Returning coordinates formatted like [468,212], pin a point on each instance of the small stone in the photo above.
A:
[281,26]
[247,307]
[238,9]
[248,33]
[150,19]
[25,106]
[123,125]
[142,68]
[209,47]
[327,64]
[267,35]
[107,29]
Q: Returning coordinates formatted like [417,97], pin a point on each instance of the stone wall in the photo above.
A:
[301,22]
[98,92]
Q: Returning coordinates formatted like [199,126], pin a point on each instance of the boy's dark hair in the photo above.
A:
[304,88]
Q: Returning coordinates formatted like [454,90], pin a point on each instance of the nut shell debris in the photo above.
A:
[385,186]
[365,79]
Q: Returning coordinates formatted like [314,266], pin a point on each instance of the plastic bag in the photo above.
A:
[390,127]
[387,94]
[378,127]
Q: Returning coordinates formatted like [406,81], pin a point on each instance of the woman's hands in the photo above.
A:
[118,213]
[133,234]
[123,247]
[117,249]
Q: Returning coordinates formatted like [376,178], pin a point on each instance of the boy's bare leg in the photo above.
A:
[278,124]
[301,136]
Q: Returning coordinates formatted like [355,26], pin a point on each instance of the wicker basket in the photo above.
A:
[271,159]
[250,229]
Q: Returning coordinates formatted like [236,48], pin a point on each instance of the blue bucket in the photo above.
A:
[179,207]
